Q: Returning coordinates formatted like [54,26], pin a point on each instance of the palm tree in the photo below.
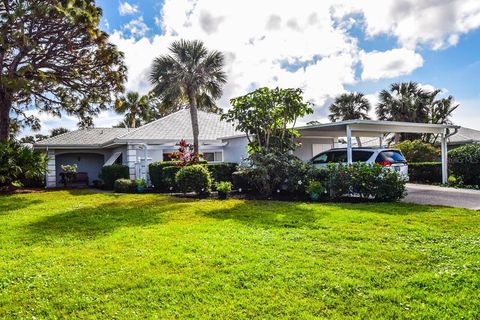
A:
[404,101]
[350,106]
[440,112]
[190,71]
[135,107]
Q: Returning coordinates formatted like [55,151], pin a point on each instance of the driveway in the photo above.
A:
[442,196]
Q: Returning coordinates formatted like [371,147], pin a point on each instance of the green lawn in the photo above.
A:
[86,255]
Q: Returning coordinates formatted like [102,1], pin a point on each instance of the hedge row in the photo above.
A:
[425,172]
[112,173]
[162,173]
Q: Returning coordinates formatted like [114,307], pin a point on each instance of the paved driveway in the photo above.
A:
[442,196]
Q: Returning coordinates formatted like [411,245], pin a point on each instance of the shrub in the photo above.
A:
[425,172]
[418,151]
[465,163]
[19,163]
[366,181]
[315,189]
[267,172]
[222,171]
[240,180]
[125,186]
[155,171]
[168,178]
[194,178]
[224,188]
[98,184]
[112,173]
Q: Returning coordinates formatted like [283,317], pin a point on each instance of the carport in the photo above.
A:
[374,128]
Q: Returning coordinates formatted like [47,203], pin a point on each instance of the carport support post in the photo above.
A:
[349,145]
[444,159]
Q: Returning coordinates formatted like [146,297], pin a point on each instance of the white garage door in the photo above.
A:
[317,148]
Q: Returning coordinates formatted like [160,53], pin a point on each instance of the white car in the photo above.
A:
[392,158]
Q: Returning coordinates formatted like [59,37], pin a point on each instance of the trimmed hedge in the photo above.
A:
[222,171]
[425,172]
[464,163]
[155,171]
[112,173]
[194,178]
[168,178]
[125,186]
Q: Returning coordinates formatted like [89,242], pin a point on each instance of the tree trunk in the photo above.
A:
[359,142]
[5,107]
[194,117]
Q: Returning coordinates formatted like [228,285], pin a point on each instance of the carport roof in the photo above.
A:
[372,128]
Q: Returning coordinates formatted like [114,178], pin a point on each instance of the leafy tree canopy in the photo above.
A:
[54,57]
[268,117]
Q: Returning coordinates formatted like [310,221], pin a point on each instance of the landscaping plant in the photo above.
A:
[315,189]
[194,178]
[19,163]
[69,173]
[465,163]
[418,151]
[112,173]
[125,186]
[141,185]
[223,189]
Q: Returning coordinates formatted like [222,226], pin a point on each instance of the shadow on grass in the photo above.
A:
[392,208]
[91,222]
[10,203]
[269,214]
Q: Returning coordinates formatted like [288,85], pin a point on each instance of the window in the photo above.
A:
[321,158]
[216,156]
[339,156]
[361,156]
[392,156]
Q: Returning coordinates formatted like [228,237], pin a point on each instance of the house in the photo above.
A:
[464,136]
[90,149]
[219,141]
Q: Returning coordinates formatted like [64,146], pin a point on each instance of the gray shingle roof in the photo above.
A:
[178,125]
[465,135]
[84,137]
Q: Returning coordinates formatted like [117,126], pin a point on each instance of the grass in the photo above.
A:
[80,254]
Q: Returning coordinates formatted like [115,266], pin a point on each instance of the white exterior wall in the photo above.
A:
[306,150]
[51,176]
[235,150]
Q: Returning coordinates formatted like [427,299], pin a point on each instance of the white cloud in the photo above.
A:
[125,8]
[435,23]
[389,64]
[136,28]
[306,43]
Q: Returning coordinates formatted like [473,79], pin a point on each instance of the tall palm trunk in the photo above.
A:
[194,117]
[359,142]
[5,107]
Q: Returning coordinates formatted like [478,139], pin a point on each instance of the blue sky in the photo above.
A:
[325,47]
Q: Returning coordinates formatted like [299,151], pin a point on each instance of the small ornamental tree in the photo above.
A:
[185,155]
[55,58]
[268,118]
